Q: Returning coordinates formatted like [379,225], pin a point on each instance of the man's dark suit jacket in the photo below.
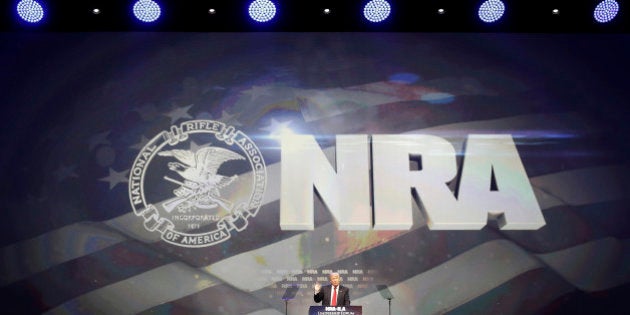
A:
[324,295]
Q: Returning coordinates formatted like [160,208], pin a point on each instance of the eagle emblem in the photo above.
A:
[201,185]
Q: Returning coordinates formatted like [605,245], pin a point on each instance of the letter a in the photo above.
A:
[513,200]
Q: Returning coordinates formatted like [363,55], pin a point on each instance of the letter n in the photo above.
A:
[343,188]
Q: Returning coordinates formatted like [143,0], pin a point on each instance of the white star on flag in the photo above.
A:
[229,118]
[179,113]
[114,178]
[276,128]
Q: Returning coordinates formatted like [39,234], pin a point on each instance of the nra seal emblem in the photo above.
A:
[197,183]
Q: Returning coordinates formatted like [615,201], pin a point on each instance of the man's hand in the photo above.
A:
[317,287]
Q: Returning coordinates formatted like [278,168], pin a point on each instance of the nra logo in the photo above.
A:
[191,200]
[373,180]
[372,183]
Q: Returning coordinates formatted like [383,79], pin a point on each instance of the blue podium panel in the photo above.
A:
[335,310]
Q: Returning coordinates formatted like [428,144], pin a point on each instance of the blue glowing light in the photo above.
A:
[377,10]
[146,10]
[404,78]
[30,11]
[491,10]
[262,10]
[605,11]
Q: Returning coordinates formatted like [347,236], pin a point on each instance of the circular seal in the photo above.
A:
[193,190]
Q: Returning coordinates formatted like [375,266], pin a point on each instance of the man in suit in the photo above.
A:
[333,294]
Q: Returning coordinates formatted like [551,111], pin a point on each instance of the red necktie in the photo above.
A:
[334,299]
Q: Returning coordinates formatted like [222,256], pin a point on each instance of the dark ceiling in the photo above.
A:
[532,16]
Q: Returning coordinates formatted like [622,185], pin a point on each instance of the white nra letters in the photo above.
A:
[377,168]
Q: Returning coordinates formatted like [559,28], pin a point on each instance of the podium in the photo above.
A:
[335,310]
[289,294]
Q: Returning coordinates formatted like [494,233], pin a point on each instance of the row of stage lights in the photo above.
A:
[263,11]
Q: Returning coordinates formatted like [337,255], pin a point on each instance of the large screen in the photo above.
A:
[228,173]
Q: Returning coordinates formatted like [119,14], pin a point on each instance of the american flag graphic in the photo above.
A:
[78,108]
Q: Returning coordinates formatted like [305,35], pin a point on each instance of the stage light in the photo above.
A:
[555,11]
[404,78]
[262,10]
[605,11]
[441,11]
[96,11]
[146,10]
[377,10]
[30,11]
[491,10]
